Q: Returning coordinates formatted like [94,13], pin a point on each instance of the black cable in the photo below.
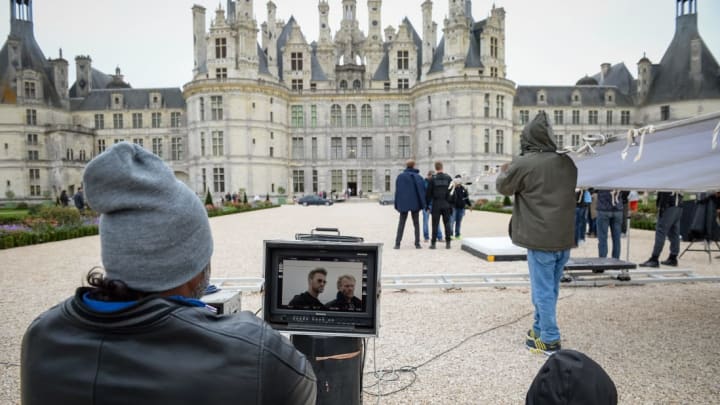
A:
[380,375]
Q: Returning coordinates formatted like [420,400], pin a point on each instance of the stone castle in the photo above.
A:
[281,115]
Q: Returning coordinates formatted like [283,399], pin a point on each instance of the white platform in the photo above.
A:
[494,249]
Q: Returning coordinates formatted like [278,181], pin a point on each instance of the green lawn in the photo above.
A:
[13,213]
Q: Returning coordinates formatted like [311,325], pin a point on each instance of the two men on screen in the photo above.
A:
[344,301]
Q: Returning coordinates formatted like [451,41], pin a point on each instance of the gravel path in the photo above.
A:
[657,342]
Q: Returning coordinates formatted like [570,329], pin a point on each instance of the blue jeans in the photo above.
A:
[426,225]
[612,220]
[546,269]
[580,214]
[457,216]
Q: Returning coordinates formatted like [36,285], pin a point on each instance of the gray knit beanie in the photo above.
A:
[154,230]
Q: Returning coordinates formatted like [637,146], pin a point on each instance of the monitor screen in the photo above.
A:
[322,288]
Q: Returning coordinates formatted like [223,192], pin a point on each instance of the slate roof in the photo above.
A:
[472,59]
[591,96]
[671,78]
[383,71]
[418,44]
[31,57]
[99,80]
[437,63]
[619,76]
[134,99]
[317,73]
[281,41]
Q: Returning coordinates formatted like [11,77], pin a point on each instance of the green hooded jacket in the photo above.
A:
[543,183]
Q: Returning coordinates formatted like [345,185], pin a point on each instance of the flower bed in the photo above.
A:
[49,223]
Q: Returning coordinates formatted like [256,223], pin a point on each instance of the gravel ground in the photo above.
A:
[658,342]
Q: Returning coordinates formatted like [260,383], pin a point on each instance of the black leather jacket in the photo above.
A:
[159,351]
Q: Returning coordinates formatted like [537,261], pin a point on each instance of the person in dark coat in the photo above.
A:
[64,199]
[438,194]
[79,199]
[570,377]
[409,189]
[669,207]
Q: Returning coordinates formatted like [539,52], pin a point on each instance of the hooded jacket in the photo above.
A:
[543,183]
[571,378]
[159,351]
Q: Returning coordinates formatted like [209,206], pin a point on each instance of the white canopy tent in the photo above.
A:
[679,156]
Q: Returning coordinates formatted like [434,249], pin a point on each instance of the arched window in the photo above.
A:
[357,85]
[351,115]
[366,116]
[335,116]
[343,84]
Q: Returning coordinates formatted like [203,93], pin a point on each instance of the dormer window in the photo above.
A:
[541,97]
[117,101]
[576,98]
[220,48]
[30,89]
[609,97]
[156,100]
[296,61]
[403,60]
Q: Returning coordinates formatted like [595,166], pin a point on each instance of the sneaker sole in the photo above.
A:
[534,350]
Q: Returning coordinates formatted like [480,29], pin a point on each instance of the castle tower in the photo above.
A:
[429,36]
[325,50]
[270,37]
[83,75]
[199,41]
[457,35]
[373,46]
[60,78]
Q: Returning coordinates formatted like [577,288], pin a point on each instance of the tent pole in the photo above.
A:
[627,241]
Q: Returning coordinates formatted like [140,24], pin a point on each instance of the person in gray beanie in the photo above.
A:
[139,333]
[569,377]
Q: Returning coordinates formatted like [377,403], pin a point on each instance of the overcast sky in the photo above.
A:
[548,42]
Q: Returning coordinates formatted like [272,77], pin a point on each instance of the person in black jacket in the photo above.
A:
[317,278]
[668,226]
[438,193]
[139,333]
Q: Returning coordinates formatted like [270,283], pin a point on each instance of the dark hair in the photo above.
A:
[315,271]
[105,289]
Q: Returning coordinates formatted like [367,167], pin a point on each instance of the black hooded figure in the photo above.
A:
[569,377]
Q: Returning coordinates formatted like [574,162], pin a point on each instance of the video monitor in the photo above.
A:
[322,288]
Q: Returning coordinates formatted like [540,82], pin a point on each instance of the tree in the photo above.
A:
[244,197]
[208,198]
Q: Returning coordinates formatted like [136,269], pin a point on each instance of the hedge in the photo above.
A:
[20,238]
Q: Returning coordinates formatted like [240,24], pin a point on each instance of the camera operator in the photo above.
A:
[138,334]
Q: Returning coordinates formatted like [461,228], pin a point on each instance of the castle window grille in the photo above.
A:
[299,181]
[218,143]
[176,148]
[157,147]
[31,117]
[404,114]
[137,121]
[404,146]
[499,142]
[296,61]
[336,116]
[351,116]
[218,179]
[216,108]
[366,116]
[220,48]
